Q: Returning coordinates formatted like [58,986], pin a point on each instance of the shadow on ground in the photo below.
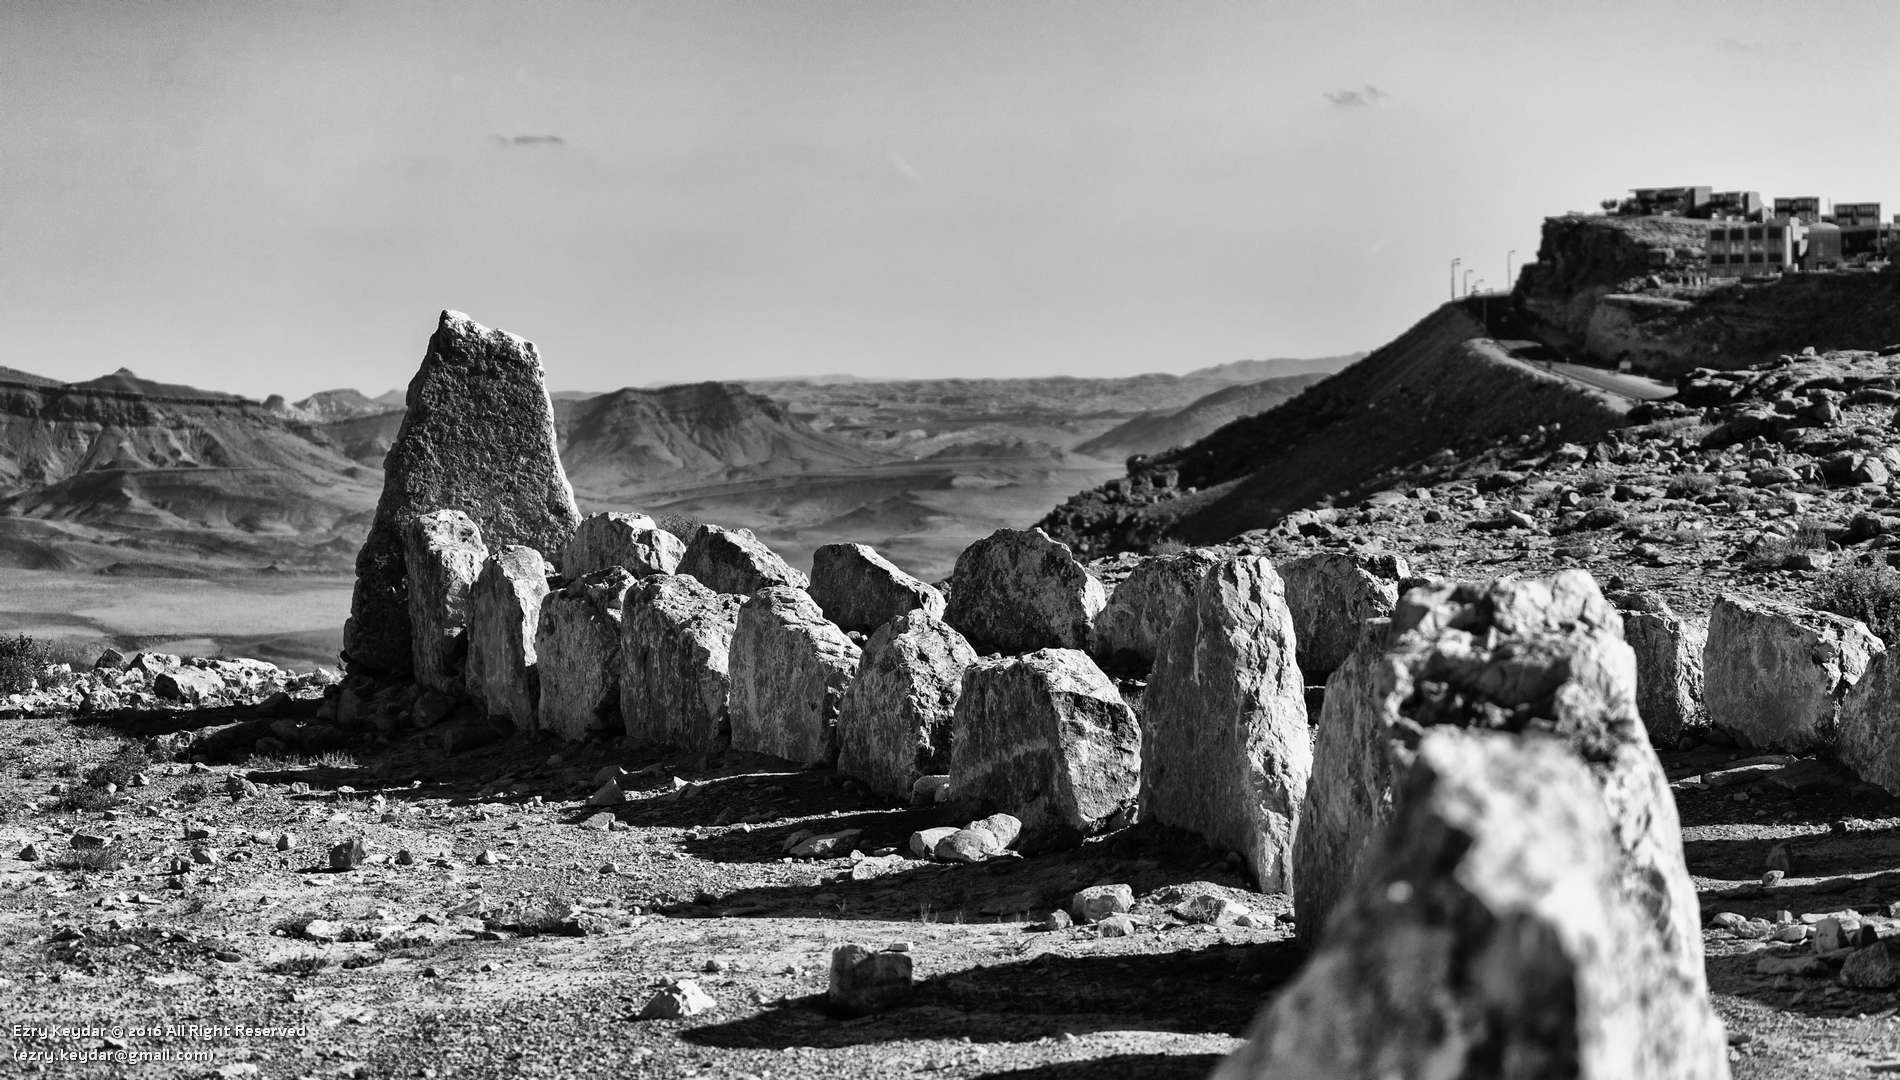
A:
[1044,997]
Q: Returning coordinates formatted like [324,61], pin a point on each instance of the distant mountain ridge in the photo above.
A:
[1160,430]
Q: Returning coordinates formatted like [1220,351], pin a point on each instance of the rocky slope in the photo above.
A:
[1441,390]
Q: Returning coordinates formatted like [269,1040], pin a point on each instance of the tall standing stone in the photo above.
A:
[1046,737]
[1225,751]
[504,609]
[862,590]
[442,554]
[790,667]
[735,561]
[1491,936]
[634,541]
[1331,595]
[1531,657]
[577,647]
[478,436]
[675,652]
[1668,652]
[1017,591]
[897,719]
[1132,625]
[1774,673]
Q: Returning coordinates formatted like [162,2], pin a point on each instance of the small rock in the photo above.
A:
[1791,965]
[489,857]
[1209,908]
[405,857]
[968,846]
[1005,827]
[678,1001]
[348,855]
[1871,968]
[1116,926]
[82,841]
[826,845]
[1772,878]
[1058,920]
[600,821]
[285,841]
[1098,902]
[608,795]
[30,853]
[865,982]
[923,842]
[930,789]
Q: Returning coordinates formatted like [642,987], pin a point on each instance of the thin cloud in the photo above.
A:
[902,167]
[531,140]
[1357,99]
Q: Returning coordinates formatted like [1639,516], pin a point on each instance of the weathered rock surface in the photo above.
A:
[865,982]
[735,561]
[894,725]
[1528,656]
[858,589]
[478,436]
[577,649]
[1331,595]
[1668,652]
[1493,935]
[1225,751]
[1774,674]
[1130,628]
[676,644]
[1046,737]
[1016,591]
[790,667]
[504,610]
[632,541]
[443,553]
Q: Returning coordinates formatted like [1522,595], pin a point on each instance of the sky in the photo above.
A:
[278,197]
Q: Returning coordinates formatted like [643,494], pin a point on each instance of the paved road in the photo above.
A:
[1629,386]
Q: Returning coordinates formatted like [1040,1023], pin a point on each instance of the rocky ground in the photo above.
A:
[191,918]
[499,925]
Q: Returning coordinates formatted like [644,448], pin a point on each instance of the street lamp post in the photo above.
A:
[1468,274]
[1454,277]
[1484,307]
[1510,263]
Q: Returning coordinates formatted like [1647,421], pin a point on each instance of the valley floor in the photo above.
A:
[540,963]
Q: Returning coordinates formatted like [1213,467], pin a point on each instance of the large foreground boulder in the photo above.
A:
[1046,737]
[442,552]
[1130,628]
[1492,936]
[1224,745]
[1016,591]
[1331,595]
[675,647]
[504,610]
[790,667]
[1774,673]
[1668,652]
[615,539]
[862,590]
[577,646]
[1526,656]
[478,435]
[735,561]
[896,722]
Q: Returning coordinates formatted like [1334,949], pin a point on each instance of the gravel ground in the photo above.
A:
[541,963]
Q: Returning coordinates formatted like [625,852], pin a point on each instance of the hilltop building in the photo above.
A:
[1750,236]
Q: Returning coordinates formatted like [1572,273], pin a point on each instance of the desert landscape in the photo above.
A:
[999,542]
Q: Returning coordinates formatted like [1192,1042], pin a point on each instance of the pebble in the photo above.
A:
[678,1001]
